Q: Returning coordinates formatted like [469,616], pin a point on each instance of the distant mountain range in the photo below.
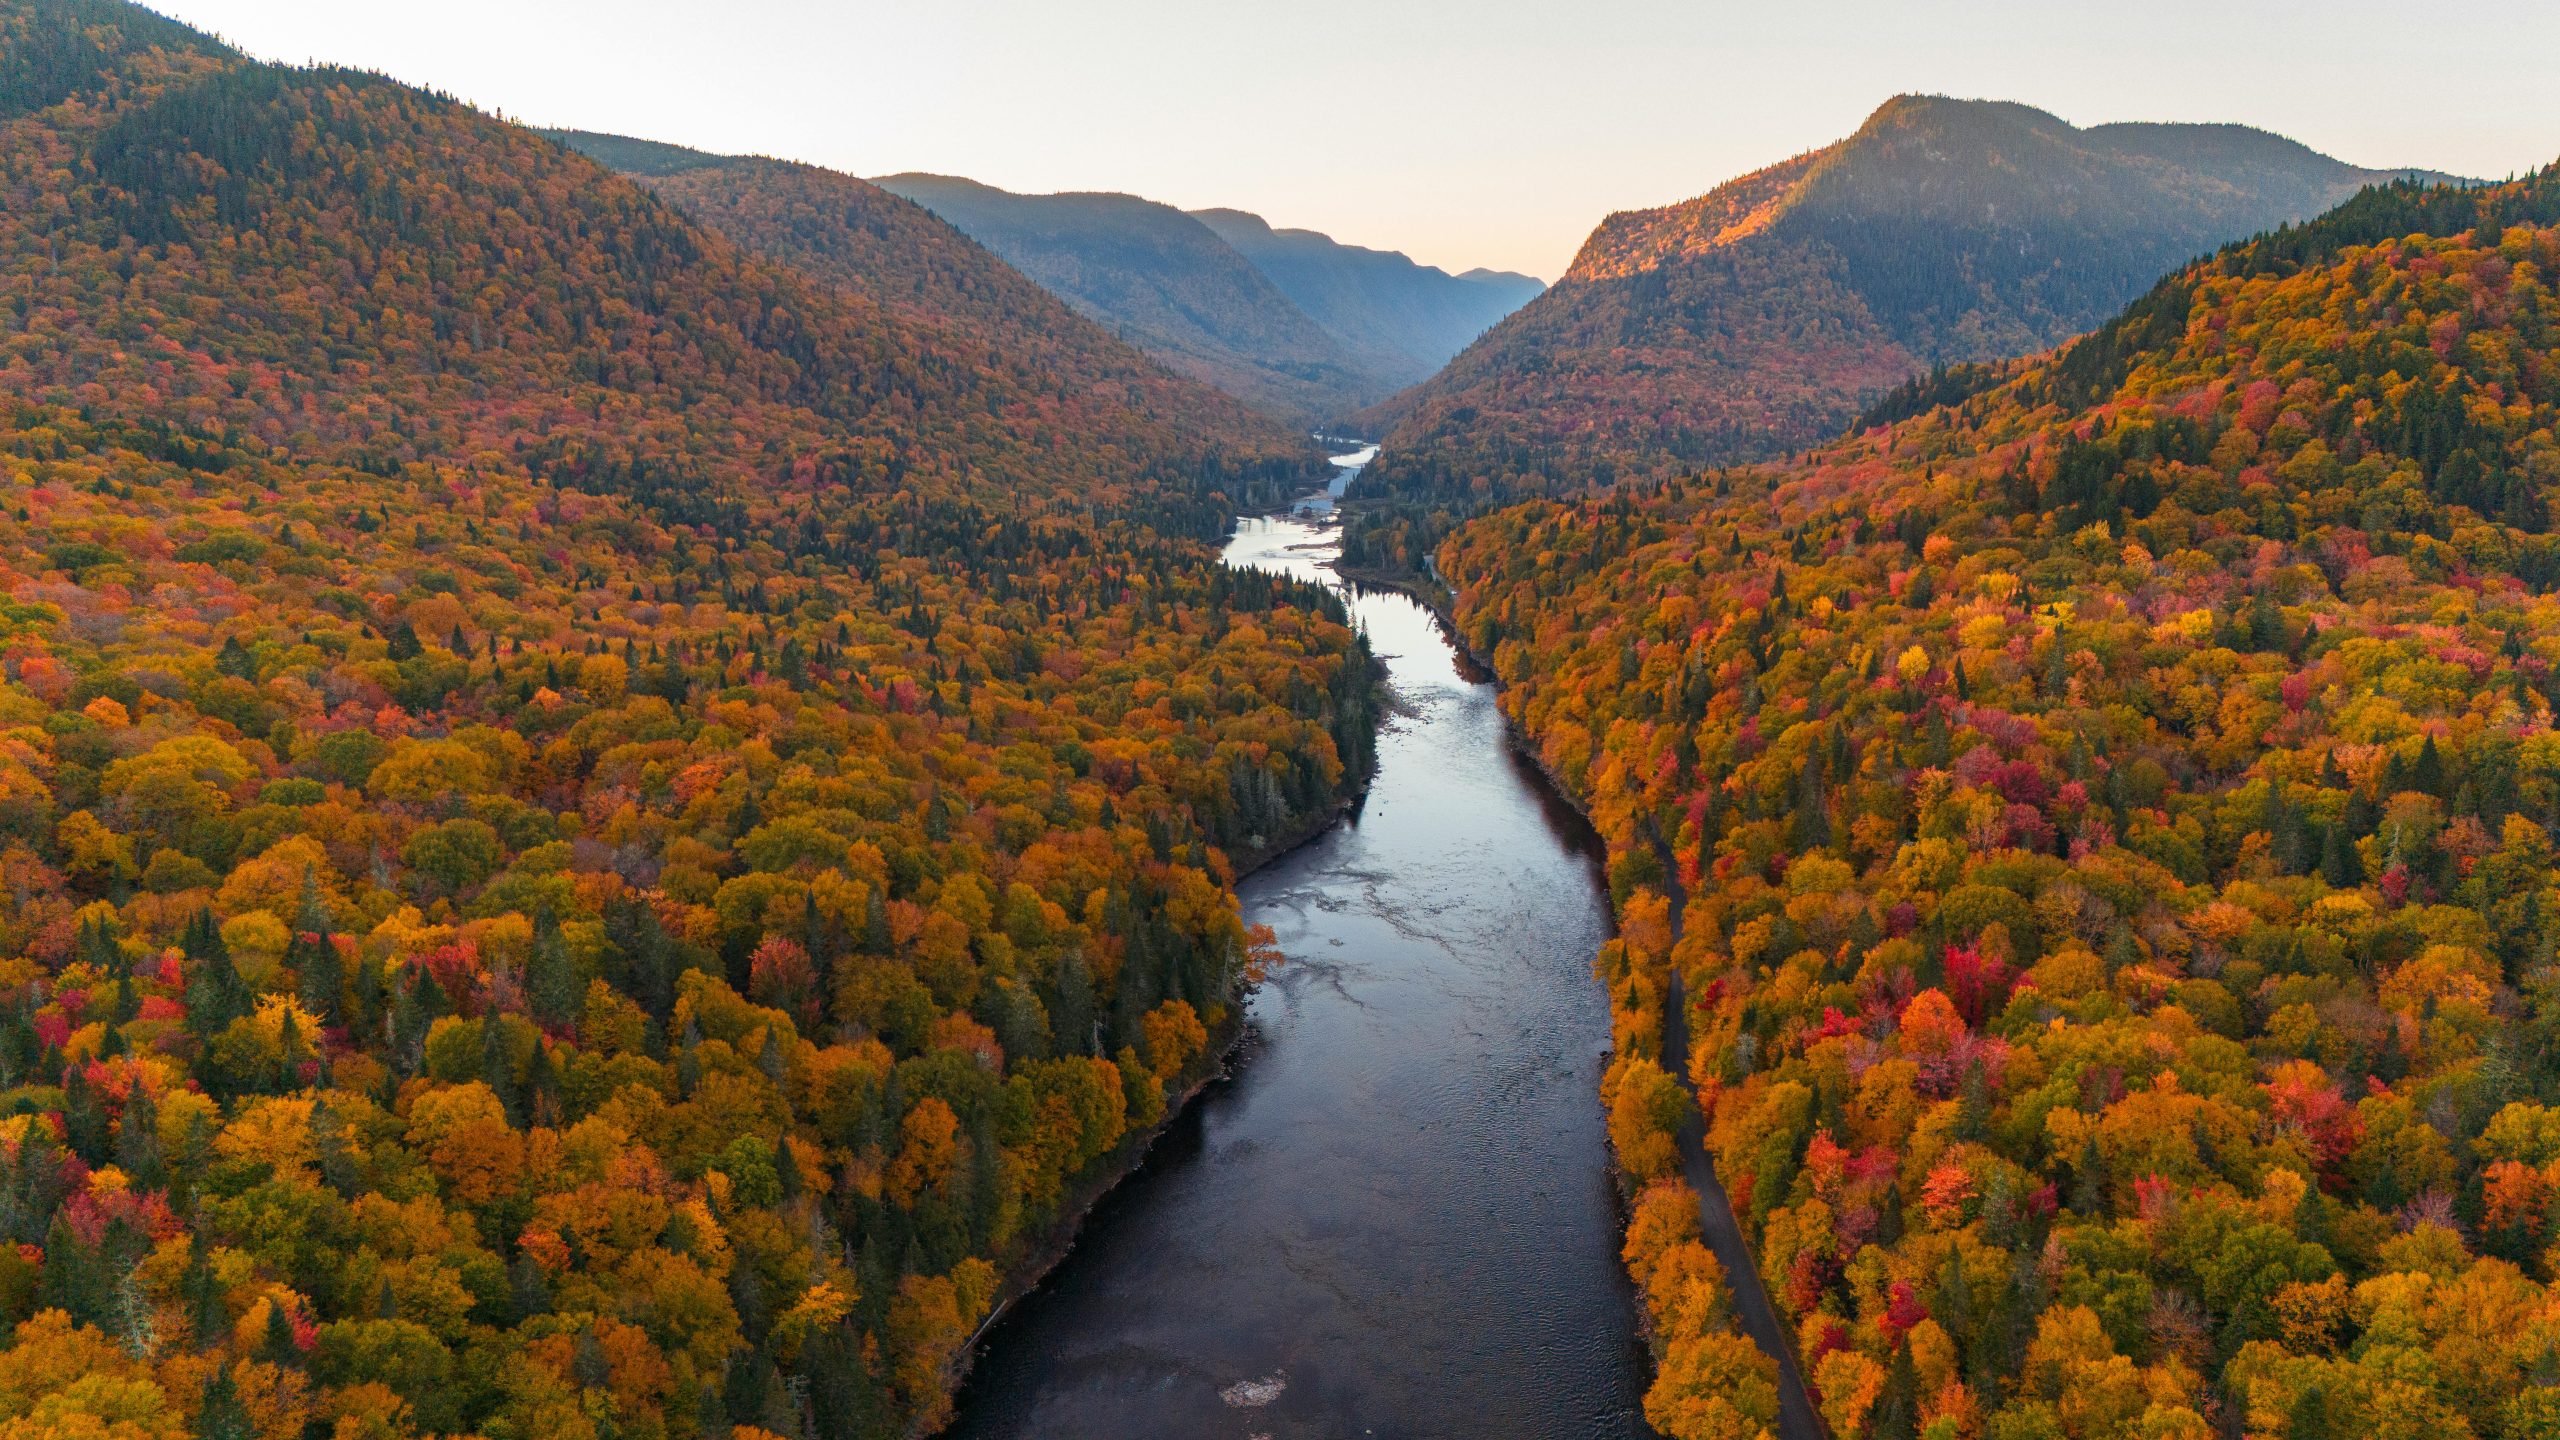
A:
[1381,301]
[1292,321]
[1756,319]
[1166,282]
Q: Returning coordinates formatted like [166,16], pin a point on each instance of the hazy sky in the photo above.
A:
[1487,133]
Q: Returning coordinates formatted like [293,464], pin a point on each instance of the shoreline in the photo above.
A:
[1057,1241]
[1723,1224]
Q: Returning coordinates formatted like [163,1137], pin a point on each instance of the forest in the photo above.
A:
[604,835]
[622,794]
[2100,829]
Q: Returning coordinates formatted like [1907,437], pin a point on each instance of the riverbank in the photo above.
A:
[1754,1311]
[1395,1214]
[1057,1242]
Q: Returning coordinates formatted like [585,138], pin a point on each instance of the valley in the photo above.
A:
[1396,1213]
[654,794]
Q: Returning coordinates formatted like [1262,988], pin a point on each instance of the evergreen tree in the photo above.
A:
[313,956]
[498,1066]
[220,1415]
[2428,774]
[1897,1408]
[216,995]
[2340,865]
[552,989]
[85,1127]
[528,1289]
[138,1141]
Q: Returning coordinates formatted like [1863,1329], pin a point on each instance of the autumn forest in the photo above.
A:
[629,779]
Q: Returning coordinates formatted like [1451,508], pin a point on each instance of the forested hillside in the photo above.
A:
[1757,319]
[2101,830]
[1295,324]
[603,834]
[1164,281]
[1379,300]
[490,297]
[854,235]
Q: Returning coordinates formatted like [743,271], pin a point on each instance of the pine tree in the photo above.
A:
[2340,865]
[409,1021]
[498,1067]
[2428,774]
[216,995]
[330,1147]
[219,1414]
[875,926]
[201,1290]
[84,1117]
[75,1279]
[278,1346]
[138,1142]
[2290,839]
[313,956]
[528,1289]
[291,1050]
[2089,1181]
[1897,1408]
[1812,830]
[552,991]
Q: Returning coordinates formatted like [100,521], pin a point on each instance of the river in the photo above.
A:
[1396,1217]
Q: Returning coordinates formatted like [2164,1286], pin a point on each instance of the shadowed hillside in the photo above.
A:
[1378,300]
[1165,282]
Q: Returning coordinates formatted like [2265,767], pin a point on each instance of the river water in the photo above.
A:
[1396,1218]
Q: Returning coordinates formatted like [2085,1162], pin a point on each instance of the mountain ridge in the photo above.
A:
[1758,317]
[846,231]
[1167,282]
[1289,320]
[1382,300]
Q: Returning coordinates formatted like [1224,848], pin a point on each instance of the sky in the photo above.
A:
[1490,132]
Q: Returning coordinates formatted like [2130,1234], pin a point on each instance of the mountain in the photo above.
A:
[604,834]
[2095,831]
[1378,300]
[1164,281]
[1758,318]
[858,237]
[529,330]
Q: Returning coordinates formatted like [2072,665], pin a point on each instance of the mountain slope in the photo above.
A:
[1167,283]
[2111,817]
[1378,300]
[856,236]
[1756,319]
[603,836]
[458,341]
